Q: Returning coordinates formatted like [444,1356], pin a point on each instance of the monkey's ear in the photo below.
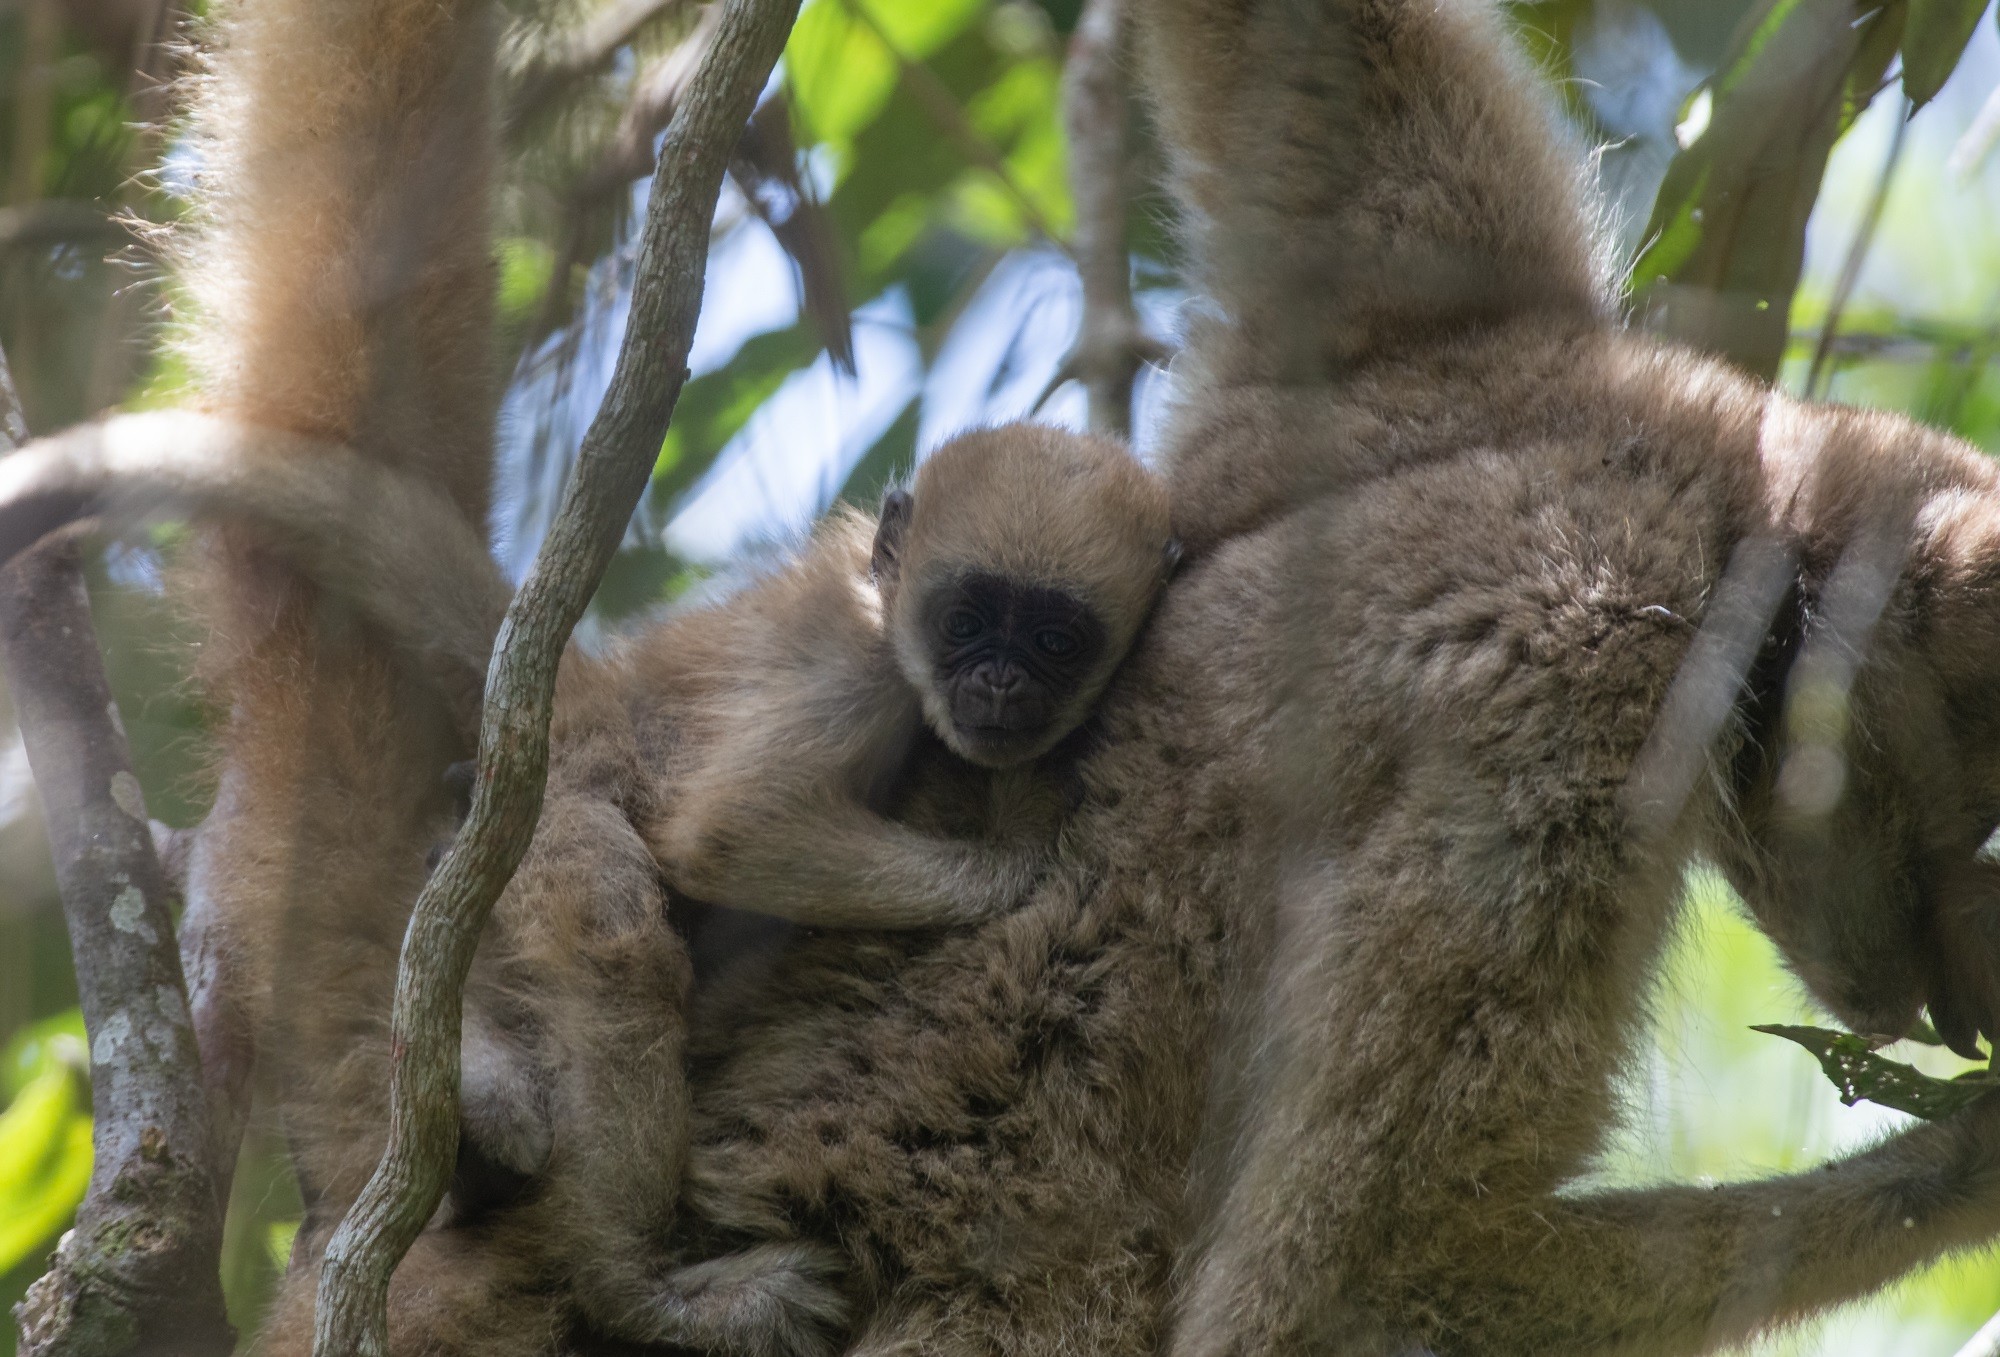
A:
[895,520]
[1170,557]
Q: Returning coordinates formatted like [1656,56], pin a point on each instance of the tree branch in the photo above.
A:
[612,470]
[1985,1343]
[656,97]
[1110,344]
[140,1269]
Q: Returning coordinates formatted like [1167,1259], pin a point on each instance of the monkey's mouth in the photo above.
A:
[996,744]
[983,715]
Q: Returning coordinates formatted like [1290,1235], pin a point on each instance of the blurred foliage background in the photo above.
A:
[1805,185]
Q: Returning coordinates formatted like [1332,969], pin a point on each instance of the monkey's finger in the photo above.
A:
[459,780]
[1956,1030]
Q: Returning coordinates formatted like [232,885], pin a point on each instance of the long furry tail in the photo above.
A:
[338,285]
[340,279]
[390,546]
[1359,174]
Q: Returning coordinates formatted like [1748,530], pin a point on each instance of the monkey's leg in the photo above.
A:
[583,944]
[1650,1273]
[775,1300]
[1660,1271]
[1352,172]
[1354,167]
[585,934]
[1430,1068]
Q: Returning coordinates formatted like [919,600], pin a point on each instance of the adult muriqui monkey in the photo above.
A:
[1377,860]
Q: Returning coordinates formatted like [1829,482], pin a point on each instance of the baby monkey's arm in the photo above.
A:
[776,819]
[794,718]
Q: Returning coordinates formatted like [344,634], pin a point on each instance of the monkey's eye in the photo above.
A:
[1055,644]
[961,624]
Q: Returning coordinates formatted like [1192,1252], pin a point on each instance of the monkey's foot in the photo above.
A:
[776,1300]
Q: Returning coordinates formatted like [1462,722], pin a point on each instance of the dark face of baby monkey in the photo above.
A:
[1015,573]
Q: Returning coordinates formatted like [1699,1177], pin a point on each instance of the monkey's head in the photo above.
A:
[1015,573]
[1874,781]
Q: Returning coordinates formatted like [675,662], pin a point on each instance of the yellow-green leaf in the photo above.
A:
[842,75]
[32,1128]
[31,1218]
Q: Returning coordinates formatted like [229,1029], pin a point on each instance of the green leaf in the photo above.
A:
[842,75]
[40,1046]
[525,266]
[31,1129]
[31,1219]
[1851,1063]
[1728,227]
[279,1236]
[44,1138]
[1019,114]
[716,405]
[1936,35]
[903,167]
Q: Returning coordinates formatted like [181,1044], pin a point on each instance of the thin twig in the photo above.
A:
[1969,152]
[140,1270]
[59,221]
[1110,344]
[1857,254]
[942,108]
[612,469]
[1985,1343]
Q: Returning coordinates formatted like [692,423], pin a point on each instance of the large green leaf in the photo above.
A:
[45,1152]
[840,71]
[905,171]
[1020,113]
[1937,33]
[1728,227]
[716,405]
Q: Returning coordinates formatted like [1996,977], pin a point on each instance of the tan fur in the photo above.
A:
[804,718]
[339,321]
[1301,1040]
[389,546]
[1303,1045]
[572,1062]
[337,287]
[790,728]
[1042,507]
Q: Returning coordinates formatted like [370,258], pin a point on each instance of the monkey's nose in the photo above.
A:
[999,696]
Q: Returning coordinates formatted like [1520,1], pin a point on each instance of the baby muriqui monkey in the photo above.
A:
[778,731]
[1001,591]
